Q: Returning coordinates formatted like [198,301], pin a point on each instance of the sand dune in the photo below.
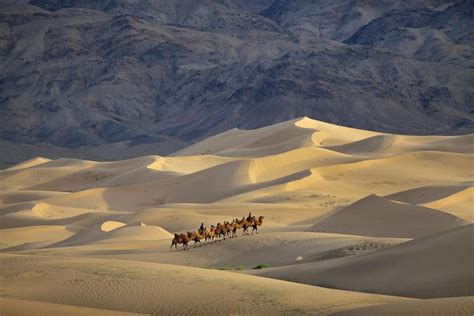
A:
[274,249]
[57,212]
[44,210]
[430,267]
[288,163]
[12,197]
[39,177]
[461,306]
[265,141]
[183,216]
[69,175]
[347,182]
[161,289]
[330,134]
[378,145]
[113,231]
[111,225]
[461,144]
[186,165]
[380,217]
[16,307]
[460,204]
[46,234]
[274,139]
[455,199]
[29,163]
[401,172]
[222,181]
[302,175]
[25,214]
[427,194]
[138,231]
[387,145]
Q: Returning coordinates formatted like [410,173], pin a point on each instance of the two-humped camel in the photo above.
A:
[228,229]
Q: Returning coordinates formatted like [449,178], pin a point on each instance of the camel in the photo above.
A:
[219,231]
[256,223]
[229,227]
[201,235]
[210,234]
[237,225]
[179,239]
[225,229]
[247,224]
[196,237]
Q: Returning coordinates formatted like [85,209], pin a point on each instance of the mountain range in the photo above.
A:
[110,79]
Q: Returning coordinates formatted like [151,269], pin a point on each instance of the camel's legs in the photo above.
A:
[175,244]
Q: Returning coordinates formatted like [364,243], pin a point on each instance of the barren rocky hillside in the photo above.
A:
[142,77]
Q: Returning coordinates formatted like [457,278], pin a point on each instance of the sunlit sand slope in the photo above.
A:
[16,307]
[381,217]
[274,249]
[416,268]
[460,306]
[460,204]
[427,194]
[161,289]
[343,208]
[29,163]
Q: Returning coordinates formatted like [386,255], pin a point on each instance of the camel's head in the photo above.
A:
[261,217]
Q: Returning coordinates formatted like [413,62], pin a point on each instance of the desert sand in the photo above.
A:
[438,307]
[416,268]
[355,222]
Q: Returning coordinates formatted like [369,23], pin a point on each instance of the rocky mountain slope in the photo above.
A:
[110,79]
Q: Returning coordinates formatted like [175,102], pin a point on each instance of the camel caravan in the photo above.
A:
[218,232]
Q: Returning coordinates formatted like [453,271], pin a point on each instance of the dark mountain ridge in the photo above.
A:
[80,73]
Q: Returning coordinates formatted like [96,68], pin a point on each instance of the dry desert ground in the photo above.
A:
[355,223]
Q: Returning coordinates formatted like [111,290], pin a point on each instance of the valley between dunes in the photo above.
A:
[355,223]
